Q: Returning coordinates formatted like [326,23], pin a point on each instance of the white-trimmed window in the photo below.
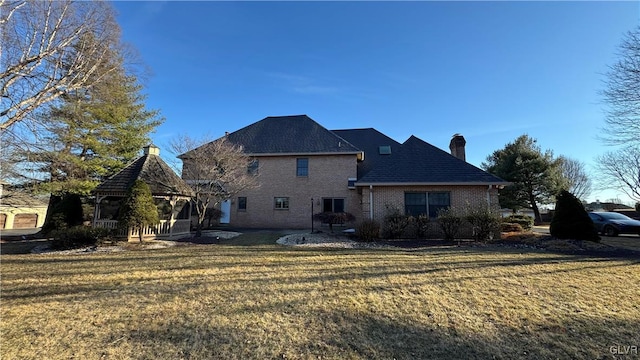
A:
[302,167]
[281,203]
[430,203]
[333,205]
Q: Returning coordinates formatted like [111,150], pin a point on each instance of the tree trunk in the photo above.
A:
[48,224]
[140,229]
[199,229]
[536,211]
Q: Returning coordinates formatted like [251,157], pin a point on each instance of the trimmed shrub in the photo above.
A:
[368,230]
[449,221]
[138,209]
[78,236]
[571,220]
[485,223]
[525,221]
[511,227]
[395,224]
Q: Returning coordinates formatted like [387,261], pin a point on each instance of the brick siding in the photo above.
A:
[328,176]
[462,197]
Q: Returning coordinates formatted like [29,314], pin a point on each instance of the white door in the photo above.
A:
[225,207]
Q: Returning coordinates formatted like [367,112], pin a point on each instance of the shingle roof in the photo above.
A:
[368,140]
[418,162]
[153,171]
[297,134]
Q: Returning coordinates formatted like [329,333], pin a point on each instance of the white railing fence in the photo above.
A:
[161,230]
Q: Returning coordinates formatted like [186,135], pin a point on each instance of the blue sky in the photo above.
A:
[491,71]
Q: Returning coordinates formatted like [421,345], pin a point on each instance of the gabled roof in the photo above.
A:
[368,140]
[418,162]
[297,134]
[153,171]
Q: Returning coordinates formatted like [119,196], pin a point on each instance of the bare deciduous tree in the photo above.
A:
[578,182]
[622,94]
[216,170]
[620,170]
[39,51]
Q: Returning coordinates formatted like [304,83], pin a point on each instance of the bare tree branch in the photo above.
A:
[216,170]
[622,94]
[39,61]
[620,170]
[578,182]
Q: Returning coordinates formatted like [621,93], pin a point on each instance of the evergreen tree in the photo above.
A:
[138,209]
[94,132]
[64,213]
[571,220]
[535,176]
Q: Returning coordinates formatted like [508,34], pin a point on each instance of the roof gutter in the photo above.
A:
[307,154]
[497,184]
[359,154]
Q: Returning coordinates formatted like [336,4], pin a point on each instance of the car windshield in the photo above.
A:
[614,216]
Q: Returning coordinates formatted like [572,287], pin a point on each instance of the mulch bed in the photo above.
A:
[203,240]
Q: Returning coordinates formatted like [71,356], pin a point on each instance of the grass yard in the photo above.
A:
[249,299]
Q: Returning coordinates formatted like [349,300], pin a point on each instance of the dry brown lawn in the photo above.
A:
[249,299]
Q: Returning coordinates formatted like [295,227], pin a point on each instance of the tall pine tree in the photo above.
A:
[93,132]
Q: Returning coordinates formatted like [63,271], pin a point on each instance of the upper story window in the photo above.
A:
[302,167]
[252,168]
[384,149]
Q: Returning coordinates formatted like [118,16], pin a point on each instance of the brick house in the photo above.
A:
[304,168]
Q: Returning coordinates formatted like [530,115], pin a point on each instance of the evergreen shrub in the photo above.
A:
[525,221]
[571,220]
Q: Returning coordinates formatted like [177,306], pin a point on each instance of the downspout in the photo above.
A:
[370,202]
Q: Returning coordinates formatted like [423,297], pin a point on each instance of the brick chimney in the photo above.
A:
[457,146]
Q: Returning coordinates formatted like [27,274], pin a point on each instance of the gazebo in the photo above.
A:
[171,194]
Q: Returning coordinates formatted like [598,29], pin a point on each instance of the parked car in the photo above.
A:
[612,223]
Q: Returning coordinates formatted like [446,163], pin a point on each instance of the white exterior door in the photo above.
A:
[225,207]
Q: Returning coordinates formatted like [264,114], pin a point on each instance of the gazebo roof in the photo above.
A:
[151,169]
